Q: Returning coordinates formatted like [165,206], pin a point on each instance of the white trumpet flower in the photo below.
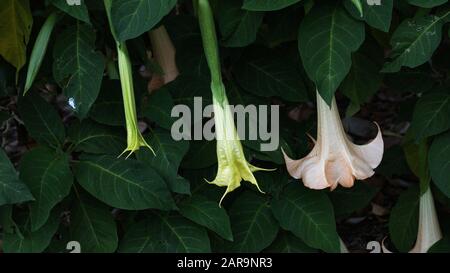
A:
[429,231]
[335,159]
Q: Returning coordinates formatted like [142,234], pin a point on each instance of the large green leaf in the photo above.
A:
[31,242]
[12,190]
[201,154]
[165,234]
[238,27]
[94,138]
[41,120]
[309,215]
[48,176]
[404,219]
[78,68]
[125,184]
[131,18]
[15,28]
[414,41]
[109,101]
[267,5]
[157,107]
[79,12]
[167,160]
[253,225]
[286,242]
[363,80]
[431,115]
[439,162]
[346,201]
[377,16]
[208,214]
[269,74]
[93,226]
[327,37]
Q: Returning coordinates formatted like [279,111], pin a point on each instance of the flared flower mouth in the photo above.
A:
[232,164]
[335,159]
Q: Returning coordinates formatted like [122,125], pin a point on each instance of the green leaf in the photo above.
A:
[12,190]
[346,201]
[363,80]
[414,42]
[208,214]
[376,16]
[327,37]
[39,49]
[41,120]
[109,101]
[78,68]
[427,3]
[404,219]
[15,28]
[431,115]
[309,215]
[201,154]
[131,18]
[238,27]
[286,242]
[165,234]
[157,107]
[439,162]
[125,184]
[442,246]
[268,74]
[31,242]
[267,5]
[48,176]
[253,225]
[167,159]
[93,226]
[79,12]
[94,138]
[416,155]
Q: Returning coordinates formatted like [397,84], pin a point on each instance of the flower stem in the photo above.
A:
[210,45]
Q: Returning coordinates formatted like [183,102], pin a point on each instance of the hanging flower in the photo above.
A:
[232,165]
[134,137]
[164,54]
[335,159]
[429,231]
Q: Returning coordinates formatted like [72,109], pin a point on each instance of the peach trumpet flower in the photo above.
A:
[335,159]
[163,51]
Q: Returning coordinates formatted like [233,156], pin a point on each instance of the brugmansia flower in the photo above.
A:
[232,165]
[429,231]
[164,53]
[134,137]
[335,159]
